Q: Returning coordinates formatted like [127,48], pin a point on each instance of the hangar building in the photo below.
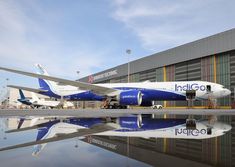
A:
[208,59]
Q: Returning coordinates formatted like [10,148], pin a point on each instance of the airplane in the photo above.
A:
[120,95]
[35,102]
[128,126]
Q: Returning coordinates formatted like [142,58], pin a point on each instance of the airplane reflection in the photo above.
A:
[59,129]
[54,129]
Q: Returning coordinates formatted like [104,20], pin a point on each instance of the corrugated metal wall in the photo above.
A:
[148,75]
[217,43]
[232,74]
[188,71]
[223,75]
[232,88]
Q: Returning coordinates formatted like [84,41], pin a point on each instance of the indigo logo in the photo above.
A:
[190,132]
[193,86]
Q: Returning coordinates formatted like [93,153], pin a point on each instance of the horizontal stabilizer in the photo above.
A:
[28,128]
[101,90]
[27,89]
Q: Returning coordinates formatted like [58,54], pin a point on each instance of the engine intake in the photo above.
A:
[132,97]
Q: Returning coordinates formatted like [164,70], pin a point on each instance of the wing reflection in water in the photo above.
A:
[116,150]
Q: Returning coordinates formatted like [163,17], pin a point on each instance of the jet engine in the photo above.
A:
[131,122]
[132,97]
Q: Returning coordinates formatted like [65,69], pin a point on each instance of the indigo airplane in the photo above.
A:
[35,102]
[129,126]
[119,95]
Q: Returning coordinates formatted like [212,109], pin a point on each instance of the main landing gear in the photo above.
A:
[109,104]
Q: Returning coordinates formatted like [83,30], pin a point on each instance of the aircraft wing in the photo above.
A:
[27,128]
[82,132]
[81,85]
[99,113]
[27,89]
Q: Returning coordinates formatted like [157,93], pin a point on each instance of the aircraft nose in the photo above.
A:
[224,92]
[227,127]
[227,92]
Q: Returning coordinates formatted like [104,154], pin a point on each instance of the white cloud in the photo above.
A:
[30,32]
[162,24]
[27,39]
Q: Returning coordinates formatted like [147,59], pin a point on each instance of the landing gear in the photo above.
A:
[116,106]
[109,104]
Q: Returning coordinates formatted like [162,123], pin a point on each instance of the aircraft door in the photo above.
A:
[209,131]
[208,88]
[191,124]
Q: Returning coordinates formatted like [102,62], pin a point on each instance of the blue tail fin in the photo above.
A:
[22,97]
[43,85]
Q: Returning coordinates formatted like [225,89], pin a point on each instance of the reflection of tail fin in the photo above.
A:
[21,121]
[45,84]
[43,133]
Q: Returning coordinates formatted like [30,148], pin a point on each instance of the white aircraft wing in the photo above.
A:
[98,128]
[27,128]
[99,113]
[27,89]
[81,85]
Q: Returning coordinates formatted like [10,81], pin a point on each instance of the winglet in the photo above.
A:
[41,70]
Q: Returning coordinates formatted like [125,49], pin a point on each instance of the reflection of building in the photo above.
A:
[208,59]
[141,150]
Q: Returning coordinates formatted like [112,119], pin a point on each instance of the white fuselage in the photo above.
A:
[203,89]
[49,103]
[179,131]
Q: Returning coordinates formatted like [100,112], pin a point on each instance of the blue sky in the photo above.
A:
[90,36]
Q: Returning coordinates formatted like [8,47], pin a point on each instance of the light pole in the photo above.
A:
[128,51]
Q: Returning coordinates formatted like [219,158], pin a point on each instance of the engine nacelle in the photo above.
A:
[132,97]
[131,122]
